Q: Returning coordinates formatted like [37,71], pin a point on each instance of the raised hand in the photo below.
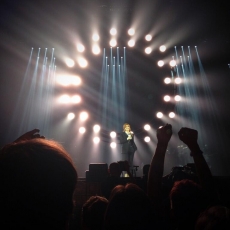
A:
[164,134]
[29,135]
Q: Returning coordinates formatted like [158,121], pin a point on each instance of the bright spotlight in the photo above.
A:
[69,62]
[171,114]
[82,130]
[96,140]
[64,99]
[178,80]
[82,62]
[131,43]
[96,128]
[96,49]
[76,99]
[148,50]
[162,48]
[147,127]
[160,63]
[113,145]
[113,134]
[70,116]
[80,48]
[172,63]
[113,31]
[95,37]
[148,37]
[131,31]
[83,116]
[159,114]
[76,80]
[177,98]
[147,139]
[167,80]
[113,42]
[167,98]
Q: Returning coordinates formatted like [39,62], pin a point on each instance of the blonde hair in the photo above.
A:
[125,126]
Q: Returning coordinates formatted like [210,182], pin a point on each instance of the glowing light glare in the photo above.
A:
[113,42]
[162,48]
[148,50]
[69,62]
[96,140]
[178,80]
[177,98]
[131,31]
[82,130]
[84,116]
[95,37]
[70,116]
[113,134]
[172,63]
[167,80]
[147,139]
[68,80]
[159,114]
[80,48]
[147,127]
[160,63]
[64,99]
[148,37]
[76,99]
[96,49]
[82,62]
[76,80]
[113,31]
[113,145]
[131,43]
[167,98]
[96,128]
[172,115]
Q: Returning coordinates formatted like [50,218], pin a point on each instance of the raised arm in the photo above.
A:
[157,165]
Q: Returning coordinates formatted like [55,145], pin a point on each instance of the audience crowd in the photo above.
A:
[38,180]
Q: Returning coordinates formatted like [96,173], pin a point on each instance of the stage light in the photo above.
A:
[113,134]
[160,63]
[113,145]
[159,114]
[82,62]
[131,43]
[171,114]
[147,139]
[147,127]
[131,31]
[96,49]
[80,48]
[96,128]
[69,62]
[84,116]
[148,50]
[113,31]
[70,116]
[76,99]
[82,130]
[96,140]
[177,98]
[113,42]
[75,80]
[172,63]
[95,37]
[178,80]
[167,80]
[167,98]
[162,48]
[148,37]
[64,99]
